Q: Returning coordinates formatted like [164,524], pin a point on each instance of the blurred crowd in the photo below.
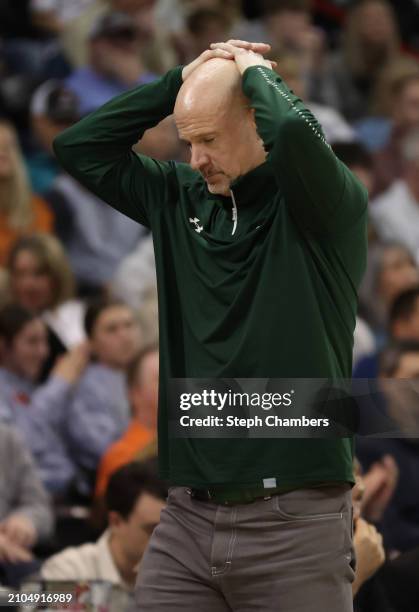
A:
[79,490]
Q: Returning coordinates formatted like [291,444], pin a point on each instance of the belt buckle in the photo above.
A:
[203,495]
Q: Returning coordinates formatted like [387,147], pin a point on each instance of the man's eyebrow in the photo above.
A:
[199,136]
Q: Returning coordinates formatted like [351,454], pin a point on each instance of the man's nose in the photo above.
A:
[199,159]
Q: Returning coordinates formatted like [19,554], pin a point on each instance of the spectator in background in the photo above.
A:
[391,269]
[29,53]
[368,542]
[99,412]
[114,63]
[400,521]
[395,213]
[287,25]
[30,46]
[134,498]
[20,211]
[139,441]
[25,512]
[37,411]
[41,280]
[203,27]
[289,28]
[155,48]
[52,15]
[388,161]
[53,108]
[135,275]
[375,130]
[391,586]
[381,584]
[371,42]
[403,325]
[358,159]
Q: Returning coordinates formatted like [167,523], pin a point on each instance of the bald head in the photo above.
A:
[216,83]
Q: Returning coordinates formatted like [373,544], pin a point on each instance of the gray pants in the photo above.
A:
[289,553]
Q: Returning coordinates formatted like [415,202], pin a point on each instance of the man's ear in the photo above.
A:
[114,519]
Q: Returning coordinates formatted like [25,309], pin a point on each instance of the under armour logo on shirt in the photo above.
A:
[195,222]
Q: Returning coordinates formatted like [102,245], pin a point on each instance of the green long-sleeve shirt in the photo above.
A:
[276,298]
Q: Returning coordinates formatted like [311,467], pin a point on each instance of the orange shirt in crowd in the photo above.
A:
[42,222]
[136,444]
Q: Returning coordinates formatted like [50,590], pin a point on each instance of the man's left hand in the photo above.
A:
[246,54]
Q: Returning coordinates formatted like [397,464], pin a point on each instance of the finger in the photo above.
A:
[250,45]
[218,52]
[239,43]
[273,64]
[225,47]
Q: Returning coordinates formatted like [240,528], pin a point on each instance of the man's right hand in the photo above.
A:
[261,48]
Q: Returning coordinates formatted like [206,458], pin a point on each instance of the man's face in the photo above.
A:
[223,144]
[116,336]
[134,532]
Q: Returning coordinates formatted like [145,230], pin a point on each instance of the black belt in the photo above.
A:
[235,496]
[231,496]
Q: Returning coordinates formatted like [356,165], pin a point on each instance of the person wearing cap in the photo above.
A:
[114,63]
[53,108]
[260,246]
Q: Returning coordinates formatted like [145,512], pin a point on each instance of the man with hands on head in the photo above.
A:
[260,246]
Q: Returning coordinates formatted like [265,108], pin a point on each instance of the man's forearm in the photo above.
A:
[321,192]
[97,151]
[118,124]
